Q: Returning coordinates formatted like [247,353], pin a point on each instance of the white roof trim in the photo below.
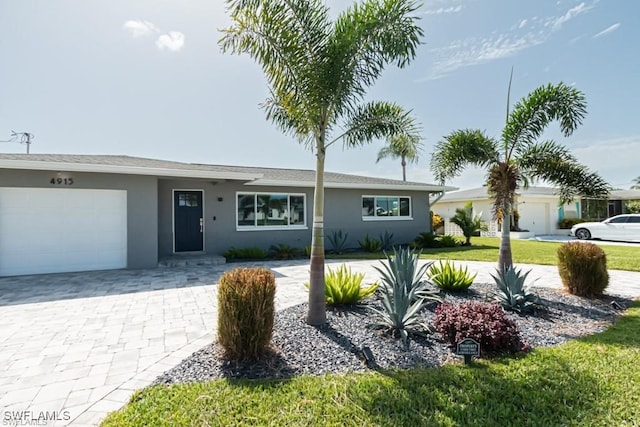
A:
[129,170]
[351,185]
[450,198]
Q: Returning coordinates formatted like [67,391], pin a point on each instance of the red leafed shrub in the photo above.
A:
[484,322]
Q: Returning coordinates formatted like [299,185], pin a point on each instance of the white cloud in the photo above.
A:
[173,41]
[451,9]
[607,30]
[474,51]
[524,34]
[140,28]
[571,13]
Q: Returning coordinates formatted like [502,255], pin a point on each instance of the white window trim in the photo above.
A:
[271,227]
[388,218]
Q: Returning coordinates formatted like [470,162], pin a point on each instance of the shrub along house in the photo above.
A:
[62,213]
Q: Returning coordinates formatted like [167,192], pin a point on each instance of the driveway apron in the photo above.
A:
[75,346]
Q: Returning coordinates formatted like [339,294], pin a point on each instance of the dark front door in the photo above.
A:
[188,221]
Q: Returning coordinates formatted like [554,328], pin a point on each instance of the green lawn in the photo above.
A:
[592,381]
[524,251]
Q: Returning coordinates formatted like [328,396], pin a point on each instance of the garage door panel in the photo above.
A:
[58,230]
[534,217]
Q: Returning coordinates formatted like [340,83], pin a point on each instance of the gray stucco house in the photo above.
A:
[62,213]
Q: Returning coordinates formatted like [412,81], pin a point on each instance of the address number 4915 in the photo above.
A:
[61,181]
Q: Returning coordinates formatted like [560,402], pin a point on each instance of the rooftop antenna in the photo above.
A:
[22,138]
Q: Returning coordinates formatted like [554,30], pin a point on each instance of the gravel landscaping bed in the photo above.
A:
[335,347]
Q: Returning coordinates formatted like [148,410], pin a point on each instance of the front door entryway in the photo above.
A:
[188,221]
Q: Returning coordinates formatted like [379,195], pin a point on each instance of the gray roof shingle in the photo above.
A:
[259,175]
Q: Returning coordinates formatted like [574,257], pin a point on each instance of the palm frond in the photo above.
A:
[460,149]
[554,163]
[287,39]
[288,118]
[531,115]
[366,38]
[401,146]
[377,120]
[387,152]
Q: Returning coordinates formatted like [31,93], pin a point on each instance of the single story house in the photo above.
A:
[539,208]
[63,213]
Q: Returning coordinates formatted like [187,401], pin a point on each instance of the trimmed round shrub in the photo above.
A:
[449,241]
[567,223]
[484,322]
[583,269]
[245,312]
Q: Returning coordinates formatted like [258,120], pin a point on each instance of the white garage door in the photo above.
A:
[45,230]
[534,217]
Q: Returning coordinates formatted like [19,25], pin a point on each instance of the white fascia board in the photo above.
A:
[453,197]
[125,170]
[350,185]
[487,198]
[538,196]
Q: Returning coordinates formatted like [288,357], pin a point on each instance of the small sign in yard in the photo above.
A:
[468,347]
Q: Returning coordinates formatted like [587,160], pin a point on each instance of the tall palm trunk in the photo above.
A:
[505,257]
[404,168]
[317,306]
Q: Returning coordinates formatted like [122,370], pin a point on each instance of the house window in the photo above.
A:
[188,199]
[386,208]
[259,211]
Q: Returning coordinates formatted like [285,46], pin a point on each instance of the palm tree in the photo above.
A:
[636,184]
[468,222]
[404,147]
[519,157]
[318,71]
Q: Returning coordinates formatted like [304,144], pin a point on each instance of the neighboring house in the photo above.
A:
[62,213]
[603,209]
[538,207]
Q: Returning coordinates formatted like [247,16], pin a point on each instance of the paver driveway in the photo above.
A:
[79,344]
[75,346]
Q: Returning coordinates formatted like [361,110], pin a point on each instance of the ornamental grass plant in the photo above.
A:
[246,306]
[583,269]
[344,287]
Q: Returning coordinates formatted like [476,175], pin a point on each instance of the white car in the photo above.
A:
[625,228]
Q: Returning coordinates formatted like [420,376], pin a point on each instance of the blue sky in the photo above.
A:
[147,78]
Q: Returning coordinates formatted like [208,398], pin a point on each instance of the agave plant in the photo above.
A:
[370,244]
[513,294]
[403,294]
[338,241]
[386,240]
[283,251]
